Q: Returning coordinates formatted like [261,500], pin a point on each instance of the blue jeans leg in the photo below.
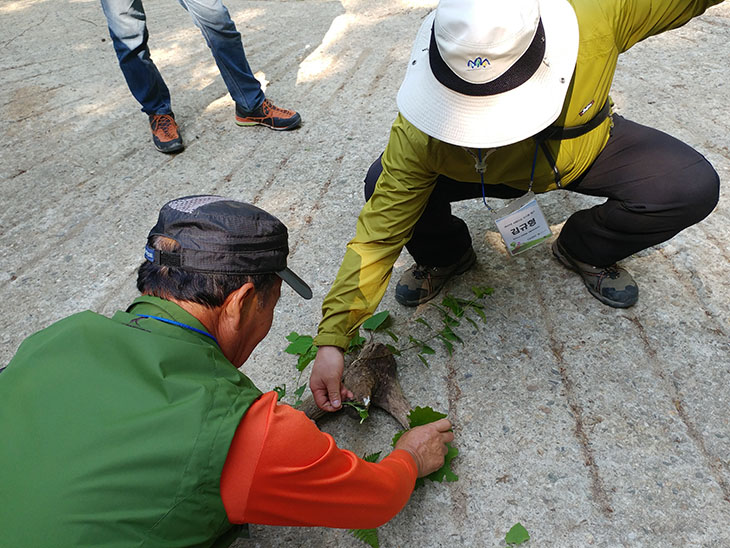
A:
[224,41]
[128,30]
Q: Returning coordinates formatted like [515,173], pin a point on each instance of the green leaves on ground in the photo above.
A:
[481,292]
[302,346]
[426,415]
[356,343]
[368,536]
[377,321]
[372,457]
[361,409]
[280,391]
[453,311]
[381,322]
[517,535]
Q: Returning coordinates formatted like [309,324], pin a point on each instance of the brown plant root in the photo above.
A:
[373,380]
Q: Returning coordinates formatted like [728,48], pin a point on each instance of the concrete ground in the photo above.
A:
[591,426]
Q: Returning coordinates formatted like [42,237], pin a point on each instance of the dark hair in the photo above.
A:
[209,290]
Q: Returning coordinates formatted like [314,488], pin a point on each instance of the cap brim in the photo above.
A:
[494,120]
[296,283]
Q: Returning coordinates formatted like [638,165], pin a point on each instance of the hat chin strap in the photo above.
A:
[515,76]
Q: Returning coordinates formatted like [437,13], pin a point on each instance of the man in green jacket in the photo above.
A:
[139,430]
[501,99]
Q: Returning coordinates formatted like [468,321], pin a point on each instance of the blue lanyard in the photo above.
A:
[173,322]
[481,168]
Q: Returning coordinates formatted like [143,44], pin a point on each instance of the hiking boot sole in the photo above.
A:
[295,124]
[172,149]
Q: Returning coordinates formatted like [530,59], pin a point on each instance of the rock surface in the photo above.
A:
[590,426]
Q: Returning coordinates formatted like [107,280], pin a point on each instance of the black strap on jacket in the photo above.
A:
[559,133]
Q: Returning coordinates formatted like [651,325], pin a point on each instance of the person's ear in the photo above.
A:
[236,304]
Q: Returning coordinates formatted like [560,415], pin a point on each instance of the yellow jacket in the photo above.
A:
[412,160]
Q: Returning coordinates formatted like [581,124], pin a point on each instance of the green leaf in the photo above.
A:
[423,360]
[368,536]
[445,472]
[452,304]
[393,349]
[305,359]
[392,335]
[480,291]
[480,313]
[472,322]
[517,535]
[356,343]
[293,336]
[397,437]
[449,346]
[281,391]
[418,416]
[426,415]
[298,393]
[300,345]
[424,322]
[375,321]
[441,309]
[373,457]
[448,334]
[425,349]
[361,409]
[449,321]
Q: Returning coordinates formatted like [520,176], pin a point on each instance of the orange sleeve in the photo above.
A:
[282,470]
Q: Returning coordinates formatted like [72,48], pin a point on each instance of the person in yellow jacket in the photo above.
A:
[501,98]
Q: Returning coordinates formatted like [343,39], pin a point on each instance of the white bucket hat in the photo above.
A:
[488,73]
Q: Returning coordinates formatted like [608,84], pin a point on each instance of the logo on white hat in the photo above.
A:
[477,63]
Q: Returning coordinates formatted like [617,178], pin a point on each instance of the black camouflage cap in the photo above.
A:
[222,236]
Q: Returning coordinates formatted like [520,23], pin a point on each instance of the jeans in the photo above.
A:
[656,187]
[128,30]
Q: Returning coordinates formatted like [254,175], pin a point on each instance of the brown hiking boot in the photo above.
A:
[165,133]
[422,283]
[269,115]
[612,285]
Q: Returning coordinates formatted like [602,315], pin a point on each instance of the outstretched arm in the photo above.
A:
[282,470]
[635,20]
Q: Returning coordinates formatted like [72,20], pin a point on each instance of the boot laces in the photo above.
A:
[270,109]
[612,272]
[165,124]
[421,272]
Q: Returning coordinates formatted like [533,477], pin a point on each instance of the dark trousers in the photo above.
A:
[656,186]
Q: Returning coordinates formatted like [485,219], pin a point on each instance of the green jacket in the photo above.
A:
[114,432]
[412,160]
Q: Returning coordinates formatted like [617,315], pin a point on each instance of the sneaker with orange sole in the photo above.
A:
[165,133]
[269,115]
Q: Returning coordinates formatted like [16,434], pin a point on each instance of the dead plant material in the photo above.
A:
[373,380]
